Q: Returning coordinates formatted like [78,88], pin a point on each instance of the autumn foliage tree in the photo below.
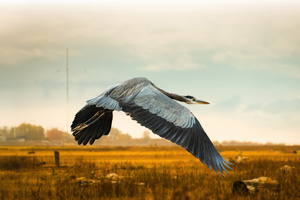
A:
[54,134]
[57,135]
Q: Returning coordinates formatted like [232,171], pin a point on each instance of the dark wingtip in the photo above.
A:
[91,123]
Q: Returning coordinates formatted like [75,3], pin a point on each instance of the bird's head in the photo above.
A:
[193,100]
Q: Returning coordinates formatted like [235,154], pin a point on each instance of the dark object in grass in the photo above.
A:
[56,156]
[240,188]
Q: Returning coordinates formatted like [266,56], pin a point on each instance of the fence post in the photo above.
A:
[56,155]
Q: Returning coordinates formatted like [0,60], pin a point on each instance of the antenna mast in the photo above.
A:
[67,72]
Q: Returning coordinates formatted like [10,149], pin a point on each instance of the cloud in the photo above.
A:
[282,64]
[287,108]
[231,104]
[282,106]
[253,107]
[168,39]
[180,63]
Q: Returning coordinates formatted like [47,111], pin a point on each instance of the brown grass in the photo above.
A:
[142,173]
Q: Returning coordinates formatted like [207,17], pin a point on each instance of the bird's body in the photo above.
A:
[153,108]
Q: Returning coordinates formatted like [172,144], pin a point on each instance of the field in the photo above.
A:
[142,173]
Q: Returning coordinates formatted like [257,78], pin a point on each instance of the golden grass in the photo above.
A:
[142,173]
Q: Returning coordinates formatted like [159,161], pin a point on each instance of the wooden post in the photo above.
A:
[56,155]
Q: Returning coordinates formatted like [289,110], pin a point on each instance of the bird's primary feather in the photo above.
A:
[152,108]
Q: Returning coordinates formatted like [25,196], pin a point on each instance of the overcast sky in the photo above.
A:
[241,56]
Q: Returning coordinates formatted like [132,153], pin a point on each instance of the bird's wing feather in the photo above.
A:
[90,123]
[170,120]
[105,101]
[149,98]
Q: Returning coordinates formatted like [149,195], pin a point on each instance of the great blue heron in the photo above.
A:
[153,108]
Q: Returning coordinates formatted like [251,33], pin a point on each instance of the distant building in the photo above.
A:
[3,138]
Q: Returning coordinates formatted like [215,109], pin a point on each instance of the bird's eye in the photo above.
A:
[194,99]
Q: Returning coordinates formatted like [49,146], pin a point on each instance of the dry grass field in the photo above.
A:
[141,173]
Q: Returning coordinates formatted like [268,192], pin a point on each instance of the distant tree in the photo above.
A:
[124,139]
[114,134]
[68,137]
[146,135]
[30,132]
[4,131]
[111,138]
[56,134]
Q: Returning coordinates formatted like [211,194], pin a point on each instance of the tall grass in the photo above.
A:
[82,176]
[19,162]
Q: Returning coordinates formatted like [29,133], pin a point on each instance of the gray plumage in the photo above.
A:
[153,108]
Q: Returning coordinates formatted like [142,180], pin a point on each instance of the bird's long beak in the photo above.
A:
[201,102]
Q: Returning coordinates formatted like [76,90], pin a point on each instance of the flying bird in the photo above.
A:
[153,108]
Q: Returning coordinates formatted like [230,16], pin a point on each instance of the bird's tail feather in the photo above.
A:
[90,123]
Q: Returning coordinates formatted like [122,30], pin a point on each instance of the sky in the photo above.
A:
[241,56]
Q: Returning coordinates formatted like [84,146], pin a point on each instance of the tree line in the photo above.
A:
[30,132]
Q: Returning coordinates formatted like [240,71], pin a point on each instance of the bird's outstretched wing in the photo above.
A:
[95,118]
[168,119]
